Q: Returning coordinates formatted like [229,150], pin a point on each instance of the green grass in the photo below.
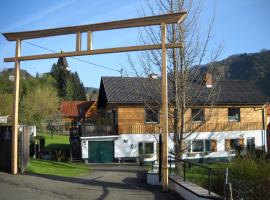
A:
[55,143]
[66,169]
[56,139]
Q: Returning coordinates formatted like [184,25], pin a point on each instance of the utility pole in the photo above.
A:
[165,131]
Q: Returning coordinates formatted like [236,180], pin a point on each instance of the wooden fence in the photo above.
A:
[5,148]
[24,148]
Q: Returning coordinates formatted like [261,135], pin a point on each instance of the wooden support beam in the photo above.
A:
[78,41]
[165,130]
[92,52]
[89,40]
[128,23]
[15,127]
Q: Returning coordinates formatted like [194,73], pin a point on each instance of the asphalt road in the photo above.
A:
[110,181]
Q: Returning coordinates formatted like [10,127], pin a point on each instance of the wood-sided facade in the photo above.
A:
[131,119]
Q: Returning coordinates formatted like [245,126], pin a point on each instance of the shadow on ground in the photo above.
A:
[129,180]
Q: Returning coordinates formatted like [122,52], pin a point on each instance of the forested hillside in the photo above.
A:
[254,67]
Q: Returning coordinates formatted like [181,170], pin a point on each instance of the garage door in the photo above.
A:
[100,151]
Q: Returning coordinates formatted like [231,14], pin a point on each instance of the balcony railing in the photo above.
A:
[229,126]
[137,128]
[97,130]
[200,127]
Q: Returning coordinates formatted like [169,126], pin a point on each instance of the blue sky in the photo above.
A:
[240,26]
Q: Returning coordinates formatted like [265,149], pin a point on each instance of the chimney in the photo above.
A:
[153,76]
[208,80]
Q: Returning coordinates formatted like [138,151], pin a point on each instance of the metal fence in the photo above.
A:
[206,177]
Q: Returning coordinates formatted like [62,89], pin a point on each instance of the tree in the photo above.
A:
[6,104]
[185,79]
[55,123]
[38,105]
[68,84]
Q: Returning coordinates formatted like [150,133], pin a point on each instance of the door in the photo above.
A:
[100,151]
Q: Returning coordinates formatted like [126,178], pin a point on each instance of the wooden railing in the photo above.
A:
[139,128]
[229,126]
[200,127]
[88,130]
[105,130]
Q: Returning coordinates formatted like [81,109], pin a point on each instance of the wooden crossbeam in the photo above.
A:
[128,23]
[92,52]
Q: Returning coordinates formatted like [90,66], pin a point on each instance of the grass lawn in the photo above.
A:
[56,139]
[66,169]
[57,142]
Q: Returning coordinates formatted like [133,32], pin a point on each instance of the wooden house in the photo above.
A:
[74,112]
[236,118]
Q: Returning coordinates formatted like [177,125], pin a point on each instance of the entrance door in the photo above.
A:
[100,151]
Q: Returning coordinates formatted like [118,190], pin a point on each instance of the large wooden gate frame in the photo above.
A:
[161,20]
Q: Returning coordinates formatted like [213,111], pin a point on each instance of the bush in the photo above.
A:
[40,141]
[250,176]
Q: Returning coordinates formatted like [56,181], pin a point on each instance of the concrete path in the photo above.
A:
[109,181]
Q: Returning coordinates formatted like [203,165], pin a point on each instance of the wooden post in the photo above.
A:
[164,111]
[89,40]
[78,41]
[15,127]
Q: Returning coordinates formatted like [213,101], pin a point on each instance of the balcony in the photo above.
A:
[229,126]
[88,130]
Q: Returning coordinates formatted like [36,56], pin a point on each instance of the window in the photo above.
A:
[151,114]
[199,146]
[146,148]
[197,115]
[234,114]
[233,144]
[251,143]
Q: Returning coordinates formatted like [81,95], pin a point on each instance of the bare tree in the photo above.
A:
[187,77]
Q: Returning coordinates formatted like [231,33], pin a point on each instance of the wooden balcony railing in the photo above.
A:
[200,127]
[88,130]
[105,130]
[229,126]
[139,128]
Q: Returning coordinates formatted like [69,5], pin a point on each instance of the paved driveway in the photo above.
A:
[110,181]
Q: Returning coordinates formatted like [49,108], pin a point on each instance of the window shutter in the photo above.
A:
[241,142]
[227,144]
[214,145]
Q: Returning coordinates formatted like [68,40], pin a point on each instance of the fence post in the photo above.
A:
[209,180]
[184,171]
[170,165]
[225,182]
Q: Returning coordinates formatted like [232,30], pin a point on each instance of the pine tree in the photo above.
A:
[69,84]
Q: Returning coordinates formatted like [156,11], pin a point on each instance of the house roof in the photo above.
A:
[75,108]
[126,90]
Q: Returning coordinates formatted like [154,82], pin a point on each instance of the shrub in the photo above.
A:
[41,141]
[250,177]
